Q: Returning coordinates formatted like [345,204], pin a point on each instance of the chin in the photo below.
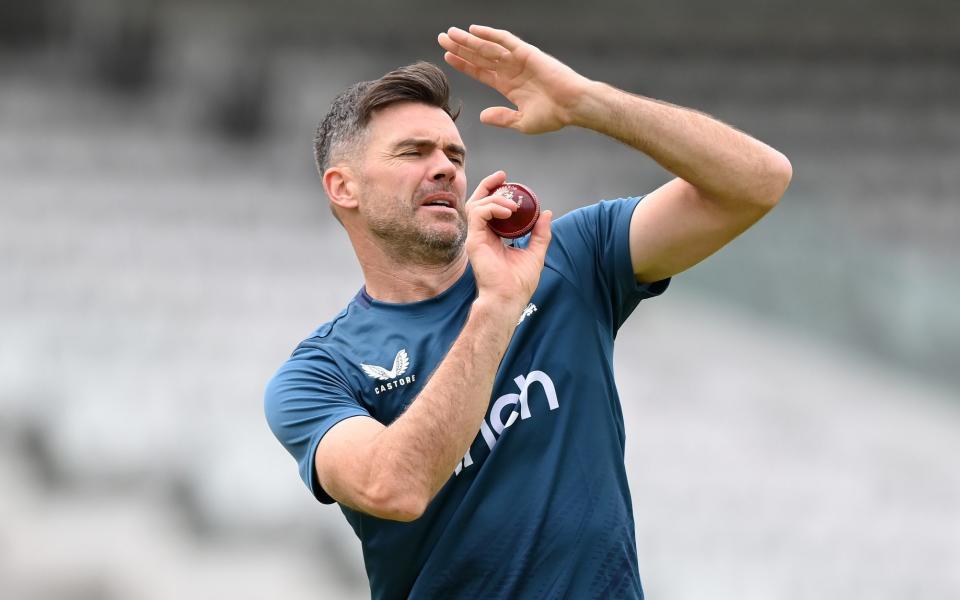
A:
[444,239]
[447,229]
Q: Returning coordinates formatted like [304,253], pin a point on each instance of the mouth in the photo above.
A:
[440,201]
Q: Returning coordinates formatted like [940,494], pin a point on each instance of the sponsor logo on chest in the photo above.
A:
[391,379]
[495,424]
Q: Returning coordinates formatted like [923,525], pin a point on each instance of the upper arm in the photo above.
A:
[675,227]
[308,398]
[340,448]
[342,460]
[353,468]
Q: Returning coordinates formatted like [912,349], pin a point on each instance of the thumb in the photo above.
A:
[540,239]
[499,116]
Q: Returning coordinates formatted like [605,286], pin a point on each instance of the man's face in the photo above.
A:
[413,183]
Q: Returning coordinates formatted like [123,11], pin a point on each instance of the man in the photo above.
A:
[462,409]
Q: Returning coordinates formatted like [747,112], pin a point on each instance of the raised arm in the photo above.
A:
[393,472]
[726,180]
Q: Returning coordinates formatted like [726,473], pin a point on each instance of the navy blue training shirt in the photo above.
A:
[539,506]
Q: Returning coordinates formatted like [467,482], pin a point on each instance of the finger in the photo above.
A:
[488,184]
[498,36]
[486,60]
[484,76]
[487,51]
[481,214]
[540,238]
[499,200]
[499,116]
[465,53]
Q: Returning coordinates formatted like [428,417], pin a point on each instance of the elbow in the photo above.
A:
[779,172]
[391,500]
[404,510]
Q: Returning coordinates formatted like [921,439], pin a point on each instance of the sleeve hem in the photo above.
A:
[653,289]
[641,291]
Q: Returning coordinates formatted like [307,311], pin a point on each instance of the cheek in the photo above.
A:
[390,183]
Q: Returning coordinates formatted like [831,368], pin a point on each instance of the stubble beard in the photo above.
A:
[409,240]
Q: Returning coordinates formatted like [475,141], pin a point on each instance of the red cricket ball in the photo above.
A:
[524,218]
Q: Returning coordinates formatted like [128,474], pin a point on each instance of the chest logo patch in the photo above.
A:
[394,377]
[400,365]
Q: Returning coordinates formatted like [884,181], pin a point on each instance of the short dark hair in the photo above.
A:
[351,110]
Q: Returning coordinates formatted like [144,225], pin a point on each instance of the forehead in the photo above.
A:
[405,120]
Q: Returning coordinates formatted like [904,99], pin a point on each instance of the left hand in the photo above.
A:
[545,91]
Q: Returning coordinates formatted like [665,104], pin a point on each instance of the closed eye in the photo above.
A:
[458,160]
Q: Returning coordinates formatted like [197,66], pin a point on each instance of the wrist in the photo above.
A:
[590,103]
[494,309]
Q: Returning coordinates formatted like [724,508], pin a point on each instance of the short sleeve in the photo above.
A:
[306,397]
[591,248]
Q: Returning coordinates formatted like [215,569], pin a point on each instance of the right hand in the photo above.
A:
[507,276]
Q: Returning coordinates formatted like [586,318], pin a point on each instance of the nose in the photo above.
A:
[442,169]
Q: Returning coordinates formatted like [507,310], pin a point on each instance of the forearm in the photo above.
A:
[420,450]
[725,165]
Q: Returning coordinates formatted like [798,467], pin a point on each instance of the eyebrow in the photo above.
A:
[420,142]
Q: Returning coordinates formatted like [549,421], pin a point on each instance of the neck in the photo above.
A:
[411,283]
[389,278]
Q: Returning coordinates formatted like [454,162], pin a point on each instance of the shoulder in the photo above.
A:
[586,230]
[603,216]
[598,214]
[320,355]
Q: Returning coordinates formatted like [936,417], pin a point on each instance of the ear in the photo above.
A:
[340,184]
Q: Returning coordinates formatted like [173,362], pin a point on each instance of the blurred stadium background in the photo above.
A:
[792,404]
